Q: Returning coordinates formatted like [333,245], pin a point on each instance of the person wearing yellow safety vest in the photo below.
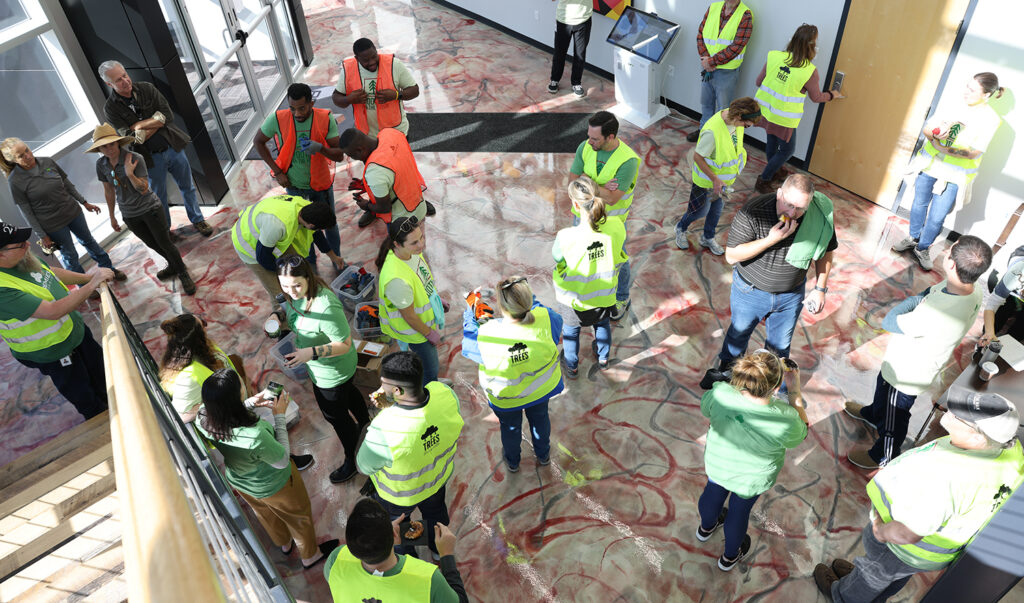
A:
[411,310]
[928,504]
[787,79]
[40,325]
[366,567]
[279,225]
[721,43]
[717,161]
[589,258]
[409,447]
[613,166]
[519,367]
[956,138]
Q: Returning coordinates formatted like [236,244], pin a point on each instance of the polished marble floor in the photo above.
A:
[612,517]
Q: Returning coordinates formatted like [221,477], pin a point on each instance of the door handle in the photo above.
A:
[241,36]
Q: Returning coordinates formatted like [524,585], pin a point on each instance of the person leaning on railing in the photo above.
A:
[257,464]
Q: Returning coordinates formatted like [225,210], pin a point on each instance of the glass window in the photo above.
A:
[264,61]
[18,12]
[234,95]
[38,105]
[284,23]
[188,60]
[216,133]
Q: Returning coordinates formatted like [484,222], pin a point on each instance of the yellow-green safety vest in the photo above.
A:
[520,361]
[349,582]
[620,155]
[422,443]
[391,321]
[986,476]
[198,373]
[781,93]
[729,157]
[587,276]
[717,38]
[34,334]
[286,208]
[966,168]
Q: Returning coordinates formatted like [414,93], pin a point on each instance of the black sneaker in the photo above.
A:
[544,462]
[693,136]
[725,564]
[569,372]
[120,276]
[431,210]
[187,284]
[344,473]
[703,535]
[366,219]
[511,468]
[302,461]
[552,86]
[713,376]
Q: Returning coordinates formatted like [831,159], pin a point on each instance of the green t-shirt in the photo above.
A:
[298,171]
[747,442]
[19,305]
[248,456]
[440,591]
[322,323]
[624,175]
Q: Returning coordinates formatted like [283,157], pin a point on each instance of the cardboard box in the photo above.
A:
[369,356]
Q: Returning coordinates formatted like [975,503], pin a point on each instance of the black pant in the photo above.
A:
[336,403]
[153,229]
[434,511]
[580,36]
[83,382]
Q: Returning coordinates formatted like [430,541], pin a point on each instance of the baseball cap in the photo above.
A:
[11,234]
[992,414]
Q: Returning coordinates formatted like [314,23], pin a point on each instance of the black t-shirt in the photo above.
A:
[768,271]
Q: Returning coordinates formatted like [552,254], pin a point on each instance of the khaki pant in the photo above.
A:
[286,515]
[269,281]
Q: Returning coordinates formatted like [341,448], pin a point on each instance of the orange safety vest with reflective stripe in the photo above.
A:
[321,169]
[389,114]
[394,153]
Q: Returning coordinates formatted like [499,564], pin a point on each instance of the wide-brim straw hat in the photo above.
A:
[106,134]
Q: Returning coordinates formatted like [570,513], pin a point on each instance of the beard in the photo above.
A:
[29,263]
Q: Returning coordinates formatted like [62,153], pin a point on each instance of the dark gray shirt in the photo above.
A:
[130,201]
[45,196]
[768,271]
[146,100]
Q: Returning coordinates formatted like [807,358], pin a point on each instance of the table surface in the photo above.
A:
[1009,383]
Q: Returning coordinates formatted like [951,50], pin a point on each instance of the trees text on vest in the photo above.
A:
[430,438]
[519,353]
[595,250]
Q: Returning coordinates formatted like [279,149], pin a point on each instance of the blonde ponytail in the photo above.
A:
[583,192]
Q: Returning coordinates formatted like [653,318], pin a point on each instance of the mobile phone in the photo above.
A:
[274,388]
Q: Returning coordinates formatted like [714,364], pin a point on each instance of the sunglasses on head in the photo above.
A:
[409,225]
[516,281]
[292,261]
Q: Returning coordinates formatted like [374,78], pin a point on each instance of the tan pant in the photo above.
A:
[269,281]
[287,515]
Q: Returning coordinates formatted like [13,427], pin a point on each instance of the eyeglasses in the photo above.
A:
[512,282]
[292,261]
[409,225]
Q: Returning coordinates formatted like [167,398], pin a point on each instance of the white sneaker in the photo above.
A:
[711,245]
[681,241]
[578,91]
[905,245]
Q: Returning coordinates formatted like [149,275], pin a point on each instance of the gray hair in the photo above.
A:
[106,66]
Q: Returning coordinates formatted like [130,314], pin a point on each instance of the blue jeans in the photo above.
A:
[622,286]
[428,356]
[876,576]
[69,254]
[698,208]
[778,153]
[511,422]
[324,196]
[929,211]
[710,504]
[889,412]
[716,93]
[571,341]
[749,306]
[176,163]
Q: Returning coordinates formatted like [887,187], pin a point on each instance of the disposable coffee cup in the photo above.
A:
[988,370]
[272,327]
[992,351]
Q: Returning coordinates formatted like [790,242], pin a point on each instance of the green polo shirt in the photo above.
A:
[298,171]
[16,304]
[323,322]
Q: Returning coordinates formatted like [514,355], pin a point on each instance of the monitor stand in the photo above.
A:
[637,90]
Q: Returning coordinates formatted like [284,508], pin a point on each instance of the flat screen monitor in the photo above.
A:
[643,34]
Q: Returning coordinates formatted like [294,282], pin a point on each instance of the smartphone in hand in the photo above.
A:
[274,389]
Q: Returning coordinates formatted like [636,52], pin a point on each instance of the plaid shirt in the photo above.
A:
[733,50]
[148,100]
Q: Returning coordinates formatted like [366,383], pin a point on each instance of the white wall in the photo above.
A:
[999,188]
[772,30]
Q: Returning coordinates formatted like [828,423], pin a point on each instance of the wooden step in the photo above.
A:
[87,433]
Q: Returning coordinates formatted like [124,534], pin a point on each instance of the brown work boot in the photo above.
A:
[187,284]
[763,186]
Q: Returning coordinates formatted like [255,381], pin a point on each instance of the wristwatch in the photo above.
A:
[822,289]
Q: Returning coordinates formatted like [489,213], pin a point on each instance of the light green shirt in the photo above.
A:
[573,12]
[381,182]
[323,322]
[298,171]
[624,175]
[403,79]
[248,456]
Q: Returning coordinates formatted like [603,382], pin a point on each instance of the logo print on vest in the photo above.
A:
[596,250]
[430,438]
[38,276]
[372,600]
[1004,492]
[783,74]
[519,353]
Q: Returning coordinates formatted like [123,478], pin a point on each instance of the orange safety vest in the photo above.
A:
[394,153]
[321,169]
[389,114]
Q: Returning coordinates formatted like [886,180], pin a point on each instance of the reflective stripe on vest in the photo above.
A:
[728,158]
[717,38]
[321,169]
[391,320]
[389,114]
[394,153]
[620,155]
[34,334]
[519,361]
[286,208]
[588,275]
[422,443]
[967,168]
[350,582]
[781,93]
